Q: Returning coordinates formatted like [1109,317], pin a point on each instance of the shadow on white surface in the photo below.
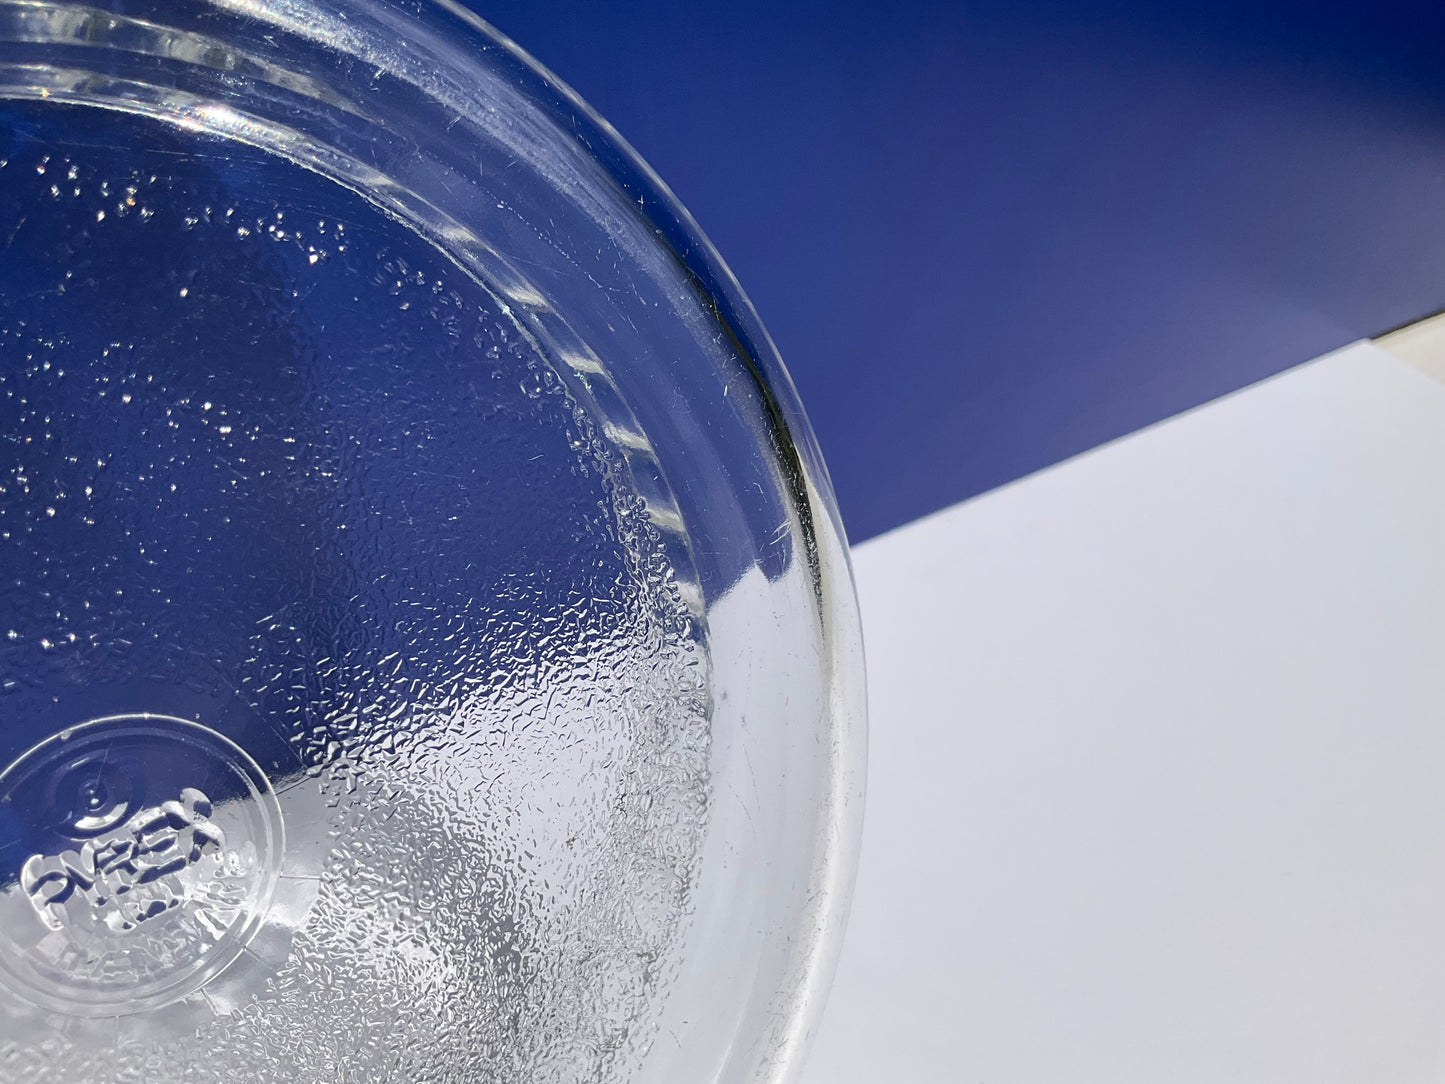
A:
[1157,751]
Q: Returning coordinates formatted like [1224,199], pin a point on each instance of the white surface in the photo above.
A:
[1157,782]
[1421,344]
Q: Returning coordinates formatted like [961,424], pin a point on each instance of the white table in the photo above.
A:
[1157,781]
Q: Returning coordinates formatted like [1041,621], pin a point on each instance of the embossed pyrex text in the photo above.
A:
[130,875]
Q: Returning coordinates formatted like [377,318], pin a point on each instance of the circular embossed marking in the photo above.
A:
[138,856]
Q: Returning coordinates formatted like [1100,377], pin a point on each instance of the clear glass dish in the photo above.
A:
[428,651]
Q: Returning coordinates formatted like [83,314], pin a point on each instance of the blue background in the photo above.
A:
[987,236]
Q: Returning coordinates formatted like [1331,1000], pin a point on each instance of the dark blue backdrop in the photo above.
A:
[987,236]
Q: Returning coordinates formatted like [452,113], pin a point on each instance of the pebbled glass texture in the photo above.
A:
[341,488]
[427,652]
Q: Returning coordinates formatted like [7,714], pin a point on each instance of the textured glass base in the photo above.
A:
[275,462]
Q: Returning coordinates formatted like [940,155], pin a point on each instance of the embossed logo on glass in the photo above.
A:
[140,858]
